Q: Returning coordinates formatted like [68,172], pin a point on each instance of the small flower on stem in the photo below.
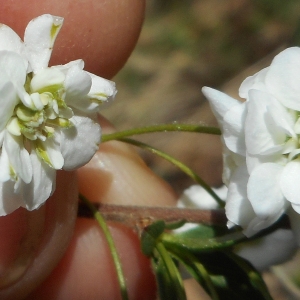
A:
[261,145]
[47,116]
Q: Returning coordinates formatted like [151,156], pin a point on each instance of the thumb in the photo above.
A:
[29,239]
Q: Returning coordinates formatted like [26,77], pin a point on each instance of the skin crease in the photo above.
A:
[103,33]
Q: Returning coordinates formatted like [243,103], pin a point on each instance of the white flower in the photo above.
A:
[261,141]
[275,248]
[196,197]
[46,116]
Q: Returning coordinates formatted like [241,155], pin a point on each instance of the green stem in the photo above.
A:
[161,128]
[196,269]
[178,164]
[172,270]
[102,223]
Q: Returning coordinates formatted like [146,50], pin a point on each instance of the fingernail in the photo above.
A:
[20,233]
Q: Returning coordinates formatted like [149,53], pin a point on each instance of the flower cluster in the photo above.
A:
[47,114]
[261,145]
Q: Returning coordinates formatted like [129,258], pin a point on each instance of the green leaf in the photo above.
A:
[150,235]
[197,244]
[202,231]
[254,276]
[232,279]
[169,280]
[163,280]
[197,271]
[223,274]
[175,225]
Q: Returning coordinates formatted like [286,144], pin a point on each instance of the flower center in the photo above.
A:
[42,108]
[291,149]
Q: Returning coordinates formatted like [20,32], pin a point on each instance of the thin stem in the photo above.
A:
[178,164]
[142,216]
[161,128]
[196,269]
[102,223]
[172,270]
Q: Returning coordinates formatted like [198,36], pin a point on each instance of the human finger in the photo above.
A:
[102,33]
[17,14]
[116,175]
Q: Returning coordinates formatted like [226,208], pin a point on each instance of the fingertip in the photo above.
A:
[33,238]
[117,175]
[87,270]
[102,33]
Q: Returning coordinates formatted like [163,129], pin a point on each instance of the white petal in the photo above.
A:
[102,89]
[9,200]
[2,133]
[14,67]
[287,119]
[296,207]
[41,187]
[36,100]
[49,151]
[283,77]
[294,218]
[4,166]
[256,82]
[196,197]
[66,67]
[233,129]
[257,224]
[265,194]
[230,114]
[293,154]
[231,161]
[289,181]
[18,156]
[77,84]
[262,133]
[273,249]
[220,103]
[47,77]
[79,143]
[8,101]
[254,161]
[9,40]
[40,35]
[238,208]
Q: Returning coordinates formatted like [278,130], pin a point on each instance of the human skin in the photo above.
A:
[49,253]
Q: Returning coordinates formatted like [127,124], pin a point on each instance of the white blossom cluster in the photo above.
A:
[262,146]
[47,114]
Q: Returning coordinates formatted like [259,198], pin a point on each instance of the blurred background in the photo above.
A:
[183,46]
